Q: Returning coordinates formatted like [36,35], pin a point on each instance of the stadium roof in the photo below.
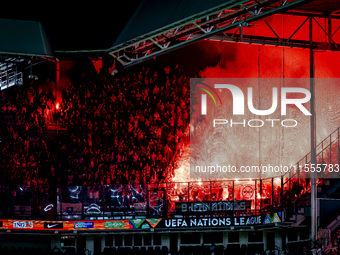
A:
[154,15]
[24,38]
[146,29]
[324,6]
[158,27]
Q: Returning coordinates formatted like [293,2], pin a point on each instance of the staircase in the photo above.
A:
[329,190]
[298,209]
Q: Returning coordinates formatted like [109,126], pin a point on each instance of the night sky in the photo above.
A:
[75,25]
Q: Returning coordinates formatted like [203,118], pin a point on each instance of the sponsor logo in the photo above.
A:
[114,224]
[153,222]
[145,225]
[222,221]
[136,222]
[272,218]
[52,225]
[83,225]
[22,224]
[214,222]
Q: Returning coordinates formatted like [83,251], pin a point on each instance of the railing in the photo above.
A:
[297,182]
[9,76]
[161,199]
[140,200]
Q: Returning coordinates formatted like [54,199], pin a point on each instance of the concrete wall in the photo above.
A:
[25,241]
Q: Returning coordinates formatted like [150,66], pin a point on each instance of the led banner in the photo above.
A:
[141,223]
[78,225]
[221,221]
[212,206]
[52,225]
[22,224]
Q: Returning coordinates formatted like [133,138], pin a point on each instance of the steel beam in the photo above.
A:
[202,27]
[327,44]
[218,26]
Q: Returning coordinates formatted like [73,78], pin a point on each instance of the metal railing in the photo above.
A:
[138,200]
[297,182]
[160,199]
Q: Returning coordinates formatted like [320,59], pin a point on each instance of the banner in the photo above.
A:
[117,224]
[205,222]
[53,225]
[136,223]
[22,224]
[70,225]
[81,224]
[174,223]
[213,206]
[140,207]
[22,210]
[72,208]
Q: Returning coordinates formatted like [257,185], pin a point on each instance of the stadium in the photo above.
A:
[170,127]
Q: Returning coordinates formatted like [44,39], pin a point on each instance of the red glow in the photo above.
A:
[255,61]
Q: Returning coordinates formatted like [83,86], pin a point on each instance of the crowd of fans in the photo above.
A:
[120,129]
[24,154]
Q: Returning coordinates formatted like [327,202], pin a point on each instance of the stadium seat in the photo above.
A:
[244,249]
[40,250]
[149,250]
[13,250]
[106,250]
[5,250]
[232,249]
[20,250]
[219,250]
[128,250]
[143,250]
[157,250]
[165,250]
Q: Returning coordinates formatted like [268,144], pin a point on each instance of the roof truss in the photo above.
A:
[328,27]
[209,24]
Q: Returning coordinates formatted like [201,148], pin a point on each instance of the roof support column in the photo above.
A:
[57,77]
[329,31]
[312,134]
